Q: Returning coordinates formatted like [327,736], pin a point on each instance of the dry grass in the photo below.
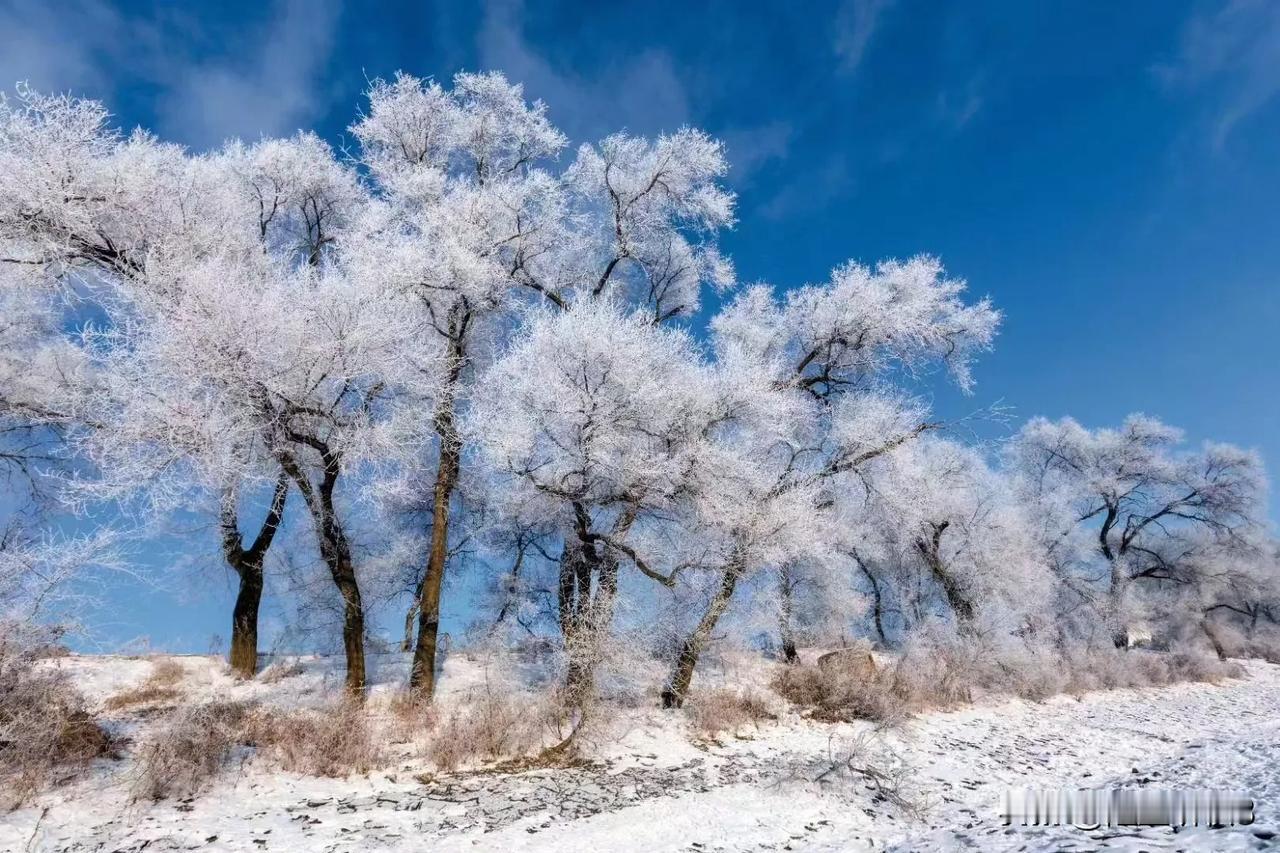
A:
[166,672]
[491,726]
[278,671]
[1262,643]
[409,718]
[833,695]
[46,735]
[1108,669]
[143,694]
[727,710]
[160,688]
[183,756]
[945,675]
[334,741]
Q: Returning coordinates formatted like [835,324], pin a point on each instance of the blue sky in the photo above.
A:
[1106,172]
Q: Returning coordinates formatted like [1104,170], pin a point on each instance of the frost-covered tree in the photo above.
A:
[817,407]
[748,450]
[236,349]
[474,226]
[943,526]
[43,376]
[602,430]
[1151,509]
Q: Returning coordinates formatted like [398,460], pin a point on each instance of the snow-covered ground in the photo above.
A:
[786,785]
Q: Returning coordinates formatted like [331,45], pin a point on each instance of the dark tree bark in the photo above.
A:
[422,677]
[877,598]
[335,550]
[677,687]
[931,551]
[247,563]
[588,592]
[1218,648]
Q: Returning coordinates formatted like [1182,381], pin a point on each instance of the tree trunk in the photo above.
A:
[352,625]
[244,622]
[877,600]
[598,617]
[574,593]
[335,550]
[1218,648]
[785,608]
[247,563]
[586,613]
[422,677]
[410,616]
[677,687]
[931,551]
[1120,634]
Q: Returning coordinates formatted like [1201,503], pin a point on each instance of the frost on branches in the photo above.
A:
[463,342]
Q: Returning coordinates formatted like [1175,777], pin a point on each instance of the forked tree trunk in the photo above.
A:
[931,551]
[335,550]
[677,687]
[588,593]
[247,563]
[586,615]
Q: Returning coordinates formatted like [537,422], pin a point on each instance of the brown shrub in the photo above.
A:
[946,672]
[143,694]
[46,736]
[835,695]
[409,717]
[492,726]
[182,756]
[727,710]
[334,741]
[160,687]
[166,672]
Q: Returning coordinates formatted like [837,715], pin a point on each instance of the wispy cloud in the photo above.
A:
[266,82]
[273,88]
[856,22]
[812,192]
[1233,55]
[750,148]
[957,107]
[642,94]
[60,49]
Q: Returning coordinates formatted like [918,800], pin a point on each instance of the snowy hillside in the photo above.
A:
[654,784]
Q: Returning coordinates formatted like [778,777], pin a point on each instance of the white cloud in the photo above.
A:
[269,87]
[855,24]
[642,94]
[749,148]
[811,192]
[265,83]
[957,107]
[59,49]
[1233,55]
